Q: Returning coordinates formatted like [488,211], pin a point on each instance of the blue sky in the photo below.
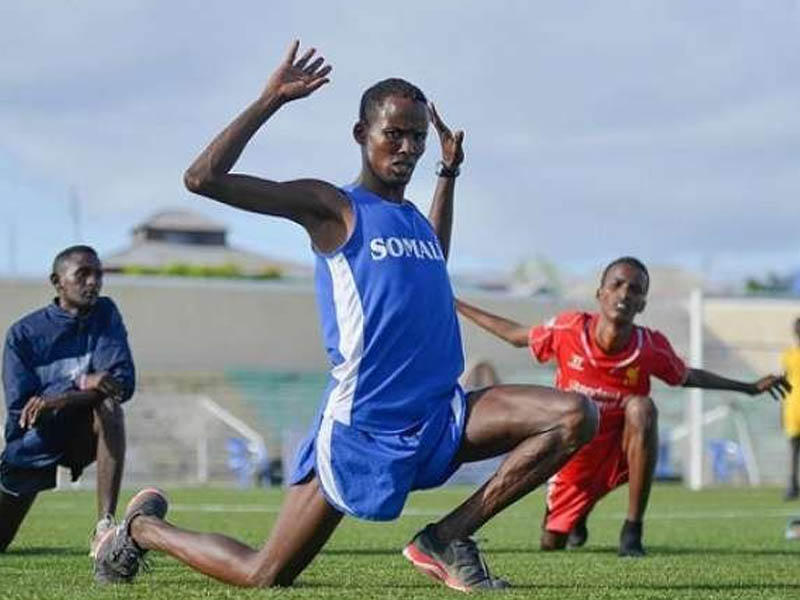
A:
[669,130]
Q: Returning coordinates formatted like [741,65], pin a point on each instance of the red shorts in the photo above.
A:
[596,469]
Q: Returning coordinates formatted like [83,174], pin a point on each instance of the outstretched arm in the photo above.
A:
[441,213]
[511,331]
[776,385]
[316,205]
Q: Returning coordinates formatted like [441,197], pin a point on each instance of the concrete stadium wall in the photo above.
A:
[207,325]
[191,326]
[753,330]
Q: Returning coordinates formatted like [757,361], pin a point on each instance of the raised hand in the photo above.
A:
[297,78]
[777,385]
[452,152]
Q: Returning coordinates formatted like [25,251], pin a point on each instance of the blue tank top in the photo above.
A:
[388,319]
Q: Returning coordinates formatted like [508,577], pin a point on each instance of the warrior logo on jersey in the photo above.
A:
[576,362]
[631,376]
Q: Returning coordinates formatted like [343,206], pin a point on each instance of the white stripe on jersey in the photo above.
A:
[339,405]
[350,323]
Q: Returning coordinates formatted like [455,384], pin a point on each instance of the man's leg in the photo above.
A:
[109,424]
[304,524]
[480,375]
[793,490]
[640,445]
[12,512]
[551,540]
[539,428]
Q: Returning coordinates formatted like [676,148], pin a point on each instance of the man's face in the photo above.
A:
[394,139]
[78,281]
[623,293]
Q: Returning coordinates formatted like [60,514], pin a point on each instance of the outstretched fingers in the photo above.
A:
[437,120]
[777,386]
[301,64]
[783,386]
[316,64]
[291,53]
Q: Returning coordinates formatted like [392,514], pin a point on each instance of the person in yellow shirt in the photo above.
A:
[790,416]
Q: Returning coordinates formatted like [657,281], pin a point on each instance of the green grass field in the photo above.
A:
[712,544]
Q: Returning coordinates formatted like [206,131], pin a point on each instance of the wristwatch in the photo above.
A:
[442,170]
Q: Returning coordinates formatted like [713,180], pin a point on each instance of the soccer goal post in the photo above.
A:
[694,403]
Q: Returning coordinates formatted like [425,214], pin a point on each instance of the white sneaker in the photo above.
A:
[102,526]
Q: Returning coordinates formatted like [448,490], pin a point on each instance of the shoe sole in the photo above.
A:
[432,568]
[105,537]
[114,579]
[144,492]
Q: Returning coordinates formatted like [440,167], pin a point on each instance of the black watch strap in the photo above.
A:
[442,170]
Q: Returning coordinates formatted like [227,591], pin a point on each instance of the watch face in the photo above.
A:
[444,171]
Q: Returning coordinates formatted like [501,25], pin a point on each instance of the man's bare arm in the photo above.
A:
[94,388]
[506,329]
[776,385]
[316,205]
[441,213]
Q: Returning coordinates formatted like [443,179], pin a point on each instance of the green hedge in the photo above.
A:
[226,271]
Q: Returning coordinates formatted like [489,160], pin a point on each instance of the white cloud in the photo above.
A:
[592,128]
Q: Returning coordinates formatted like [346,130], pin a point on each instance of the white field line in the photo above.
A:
[418,512]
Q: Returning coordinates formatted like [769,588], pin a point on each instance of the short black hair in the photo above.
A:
[68,253]
[631,262]
[374,96]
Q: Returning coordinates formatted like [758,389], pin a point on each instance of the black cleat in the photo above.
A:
[630,540]
[578,536]
[459,564]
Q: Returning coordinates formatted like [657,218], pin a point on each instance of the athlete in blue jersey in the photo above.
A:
[393,418]
[67,368]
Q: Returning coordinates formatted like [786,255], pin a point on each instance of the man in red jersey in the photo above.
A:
[607,357]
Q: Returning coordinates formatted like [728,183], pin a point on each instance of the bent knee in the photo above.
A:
[110,414]
[581,418]
[641,413]
[552,540]
[257,576]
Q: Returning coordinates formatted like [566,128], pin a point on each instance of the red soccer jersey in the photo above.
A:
[583,367]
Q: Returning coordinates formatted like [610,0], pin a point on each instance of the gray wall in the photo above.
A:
[206,325]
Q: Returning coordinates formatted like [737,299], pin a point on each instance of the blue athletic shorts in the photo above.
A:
[369,475]
[80,451]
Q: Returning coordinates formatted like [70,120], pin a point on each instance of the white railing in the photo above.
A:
[255,442]
[684,431]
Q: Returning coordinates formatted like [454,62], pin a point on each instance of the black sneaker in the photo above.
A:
[578,536]
[117,557]
[459,564]
[630,540]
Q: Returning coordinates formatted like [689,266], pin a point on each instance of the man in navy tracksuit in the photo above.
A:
[67,368]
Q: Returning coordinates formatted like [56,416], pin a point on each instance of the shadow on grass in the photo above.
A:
[398,550]
[656,551]
[46,551]
[652,551]
[717,587]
